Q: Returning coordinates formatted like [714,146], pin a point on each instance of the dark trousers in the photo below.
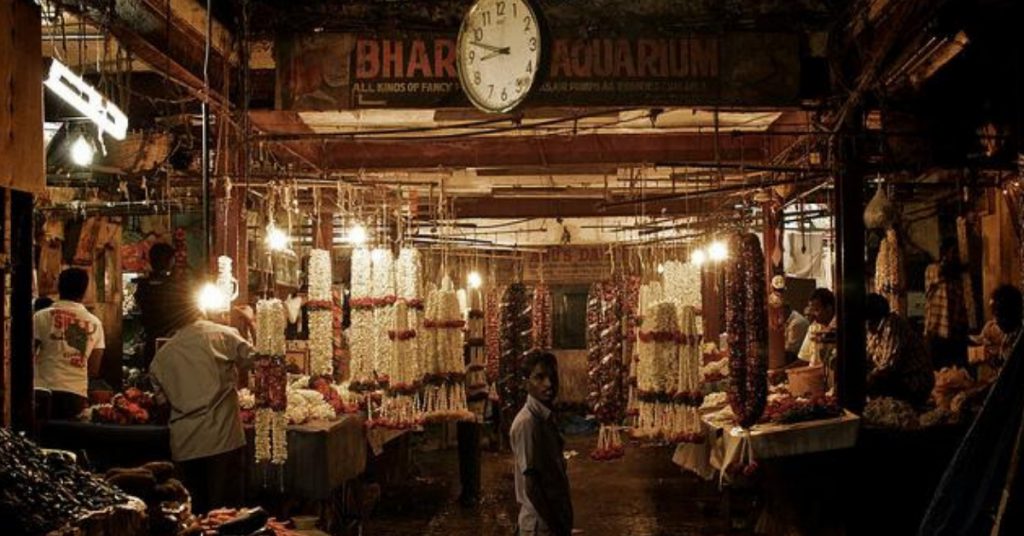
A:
[215,481]
[59,405]
[468,434]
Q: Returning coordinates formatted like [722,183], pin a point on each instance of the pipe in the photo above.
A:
[205,160]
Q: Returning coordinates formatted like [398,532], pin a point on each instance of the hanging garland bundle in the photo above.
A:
[492,331]
[476,373]
[541,317]
[384,298]
[657,371]
[515,342]
[604,340]
[890,278]
[409,284]
[321,314]
[747,326]
[444,393]
[631,324]
[647,295]
[271,383]
[398,410]
[964,247]
[682,283]
[361,335]
[688,397]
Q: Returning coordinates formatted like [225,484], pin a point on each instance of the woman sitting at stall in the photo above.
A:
[999,334]
[900,366]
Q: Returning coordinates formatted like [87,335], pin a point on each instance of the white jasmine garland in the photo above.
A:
[270,327]
[321,342]
[362,274]
[319,275]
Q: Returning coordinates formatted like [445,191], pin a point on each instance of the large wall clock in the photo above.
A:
[499,53]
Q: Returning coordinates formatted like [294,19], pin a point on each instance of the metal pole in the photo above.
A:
[205,159]
[851,361]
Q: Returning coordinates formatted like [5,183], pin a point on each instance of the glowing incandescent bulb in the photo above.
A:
[474,280]
[277,240]
[357,235]
[698,257]
[211,299]
[82,152]
[718,251]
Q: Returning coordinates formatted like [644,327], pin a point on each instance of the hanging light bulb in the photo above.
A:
[661,268]
[277,240]
[82,152]
[698,257]
[718,251]
[474,280]
[211,299]
[357,235]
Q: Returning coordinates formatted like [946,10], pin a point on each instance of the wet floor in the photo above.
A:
[642,494]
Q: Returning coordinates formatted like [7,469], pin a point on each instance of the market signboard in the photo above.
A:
[418,70]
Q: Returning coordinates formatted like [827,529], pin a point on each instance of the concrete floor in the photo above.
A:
[642,494]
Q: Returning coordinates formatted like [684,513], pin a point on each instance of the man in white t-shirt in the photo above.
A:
[69,346]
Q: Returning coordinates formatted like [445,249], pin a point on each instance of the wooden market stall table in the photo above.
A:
[802,469]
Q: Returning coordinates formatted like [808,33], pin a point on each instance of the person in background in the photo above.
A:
[162,297]
[196,373]
[997,337]
[69,346]
[541,481]
[899,365]
[821,310]
[41,303]
[945,316]
[796,332]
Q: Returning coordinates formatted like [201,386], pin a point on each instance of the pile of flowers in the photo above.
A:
[788,409]
[133,406]
[885,412]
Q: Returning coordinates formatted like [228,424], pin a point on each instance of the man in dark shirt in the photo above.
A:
[163,299]
[542,485]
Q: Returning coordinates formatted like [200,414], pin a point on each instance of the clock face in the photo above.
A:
[499,51]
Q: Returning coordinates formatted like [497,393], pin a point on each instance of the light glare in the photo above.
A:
[81,152]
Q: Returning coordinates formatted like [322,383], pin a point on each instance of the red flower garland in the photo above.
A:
[445,324]
[401,335]
[747,326]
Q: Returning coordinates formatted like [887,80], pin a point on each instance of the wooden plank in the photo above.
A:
[21,97]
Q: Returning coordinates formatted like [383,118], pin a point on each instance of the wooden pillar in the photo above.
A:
[851,362]
[323,222]
[773,267]
[22,366]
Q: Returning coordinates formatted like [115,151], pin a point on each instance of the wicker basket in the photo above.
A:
[806,381]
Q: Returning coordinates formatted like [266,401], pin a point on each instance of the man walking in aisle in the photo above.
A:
[542,485]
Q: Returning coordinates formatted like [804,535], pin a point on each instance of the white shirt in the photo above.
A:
[67,334]
[796,331]
[810,351]
[196,372]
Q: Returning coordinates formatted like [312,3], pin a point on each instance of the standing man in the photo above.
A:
[69,343]
[821,308]
[542,484]
[162,299]
[796,330]
[945,315]
[196,374]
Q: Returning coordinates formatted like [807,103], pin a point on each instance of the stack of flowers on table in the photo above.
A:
[321,315]
[444,391]
[133,406]
[789,409]
[270,383]
[360,332]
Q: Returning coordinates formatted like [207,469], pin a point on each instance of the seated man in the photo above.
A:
[999,334]
[821,309]
[899,365]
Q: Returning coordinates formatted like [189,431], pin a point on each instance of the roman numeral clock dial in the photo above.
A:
[499,53]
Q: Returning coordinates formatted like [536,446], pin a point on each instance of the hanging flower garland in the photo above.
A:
[687,427]
[476,372]
[890,278]
[361,336]
[747,327]
[270,383]
[964,247]
[647,295]
[444,393]
[604,340]
[657,373]
[321,315]
[631,324]
[398,408]
[541,317]
[515,342]
[682,283]
[384,294]
[409,286]
[492,331]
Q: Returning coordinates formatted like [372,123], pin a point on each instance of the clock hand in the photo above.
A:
[496,53]
[492,48]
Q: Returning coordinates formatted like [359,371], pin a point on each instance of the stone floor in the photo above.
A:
[643,494]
